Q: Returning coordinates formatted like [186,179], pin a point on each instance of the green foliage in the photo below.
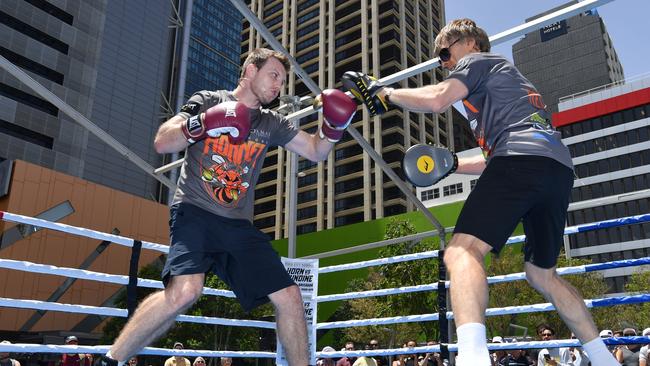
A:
[636,316]
[395,275]
[590,285]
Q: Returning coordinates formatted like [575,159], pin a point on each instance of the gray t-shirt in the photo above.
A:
[220,177]
[505,111]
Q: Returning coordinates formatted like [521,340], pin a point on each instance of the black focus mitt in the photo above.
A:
[425,165]
[365,88]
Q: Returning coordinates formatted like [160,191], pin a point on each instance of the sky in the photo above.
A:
[627,22]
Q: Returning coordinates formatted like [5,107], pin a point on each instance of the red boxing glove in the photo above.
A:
[338,110]
[231,117]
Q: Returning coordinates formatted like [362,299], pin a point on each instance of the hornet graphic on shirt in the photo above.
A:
[223,180]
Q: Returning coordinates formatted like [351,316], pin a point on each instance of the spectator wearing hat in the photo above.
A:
[5,360]
[628,354]
[178,360]
[75,359]
[499,357]
[199,361]
[326,361]
[607,333]
[643,353]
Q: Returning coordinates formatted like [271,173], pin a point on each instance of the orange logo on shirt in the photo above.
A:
[535,99]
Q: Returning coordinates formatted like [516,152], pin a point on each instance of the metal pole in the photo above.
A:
[496,39]
[293,190]
[83,121]
[182,75]
[268,36]
[400,184]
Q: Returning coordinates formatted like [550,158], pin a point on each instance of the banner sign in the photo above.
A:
[304,273]
[554,30]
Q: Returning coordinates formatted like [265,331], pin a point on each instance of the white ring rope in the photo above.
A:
[380,261]
[491,346]
[95,276]
[123,313]
[512,240]
[619,300]
[118,279]
[11,217]
[491,280]
[121,240]
[34,348]
[50,348]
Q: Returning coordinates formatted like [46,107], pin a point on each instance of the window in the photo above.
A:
[452,189]
[348,219]
[306,228]
[305,213]
[306,196]
[32,66]
[430,194]
[33,33]
[26,134]
[28,99]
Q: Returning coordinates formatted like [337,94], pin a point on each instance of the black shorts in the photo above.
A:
[233,249]
[532,189]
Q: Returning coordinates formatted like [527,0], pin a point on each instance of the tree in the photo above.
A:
[515,293]
[635,315]
[396,275]
[511,260]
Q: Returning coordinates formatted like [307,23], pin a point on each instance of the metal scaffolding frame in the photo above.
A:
[401,75]
[259,26]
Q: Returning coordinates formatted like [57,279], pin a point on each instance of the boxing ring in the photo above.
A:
[442,317]
[447,315]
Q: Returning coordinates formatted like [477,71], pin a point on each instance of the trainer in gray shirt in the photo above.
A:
[505,111]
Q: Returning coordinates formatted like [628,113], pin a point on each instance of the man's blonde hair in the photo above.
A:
[462,29]
[259,56]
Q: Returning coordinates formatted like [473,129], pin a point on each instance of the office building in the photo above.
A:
[106,59]
[567,57]
[607,131]
[214,45]
[117,63]
[328,38]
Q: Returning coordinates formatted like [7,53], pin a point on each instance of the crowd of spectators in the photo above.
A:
[626,354]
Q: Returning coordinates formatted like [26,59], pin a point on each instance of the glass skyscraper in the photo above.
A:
[214,46]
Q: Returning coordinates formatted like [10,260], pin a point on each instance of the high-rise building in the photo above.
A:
[116,62]
[205,54]
[106,59]
[607,131]
[214,46]
[328,38]
[567,57]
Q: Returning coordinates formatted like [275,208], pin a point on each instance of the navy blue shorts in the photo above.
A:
[532,189]
[233,249]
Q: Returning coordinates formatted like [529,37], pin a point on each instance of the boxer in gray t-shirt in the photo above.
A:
[226,136]
[526,175]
